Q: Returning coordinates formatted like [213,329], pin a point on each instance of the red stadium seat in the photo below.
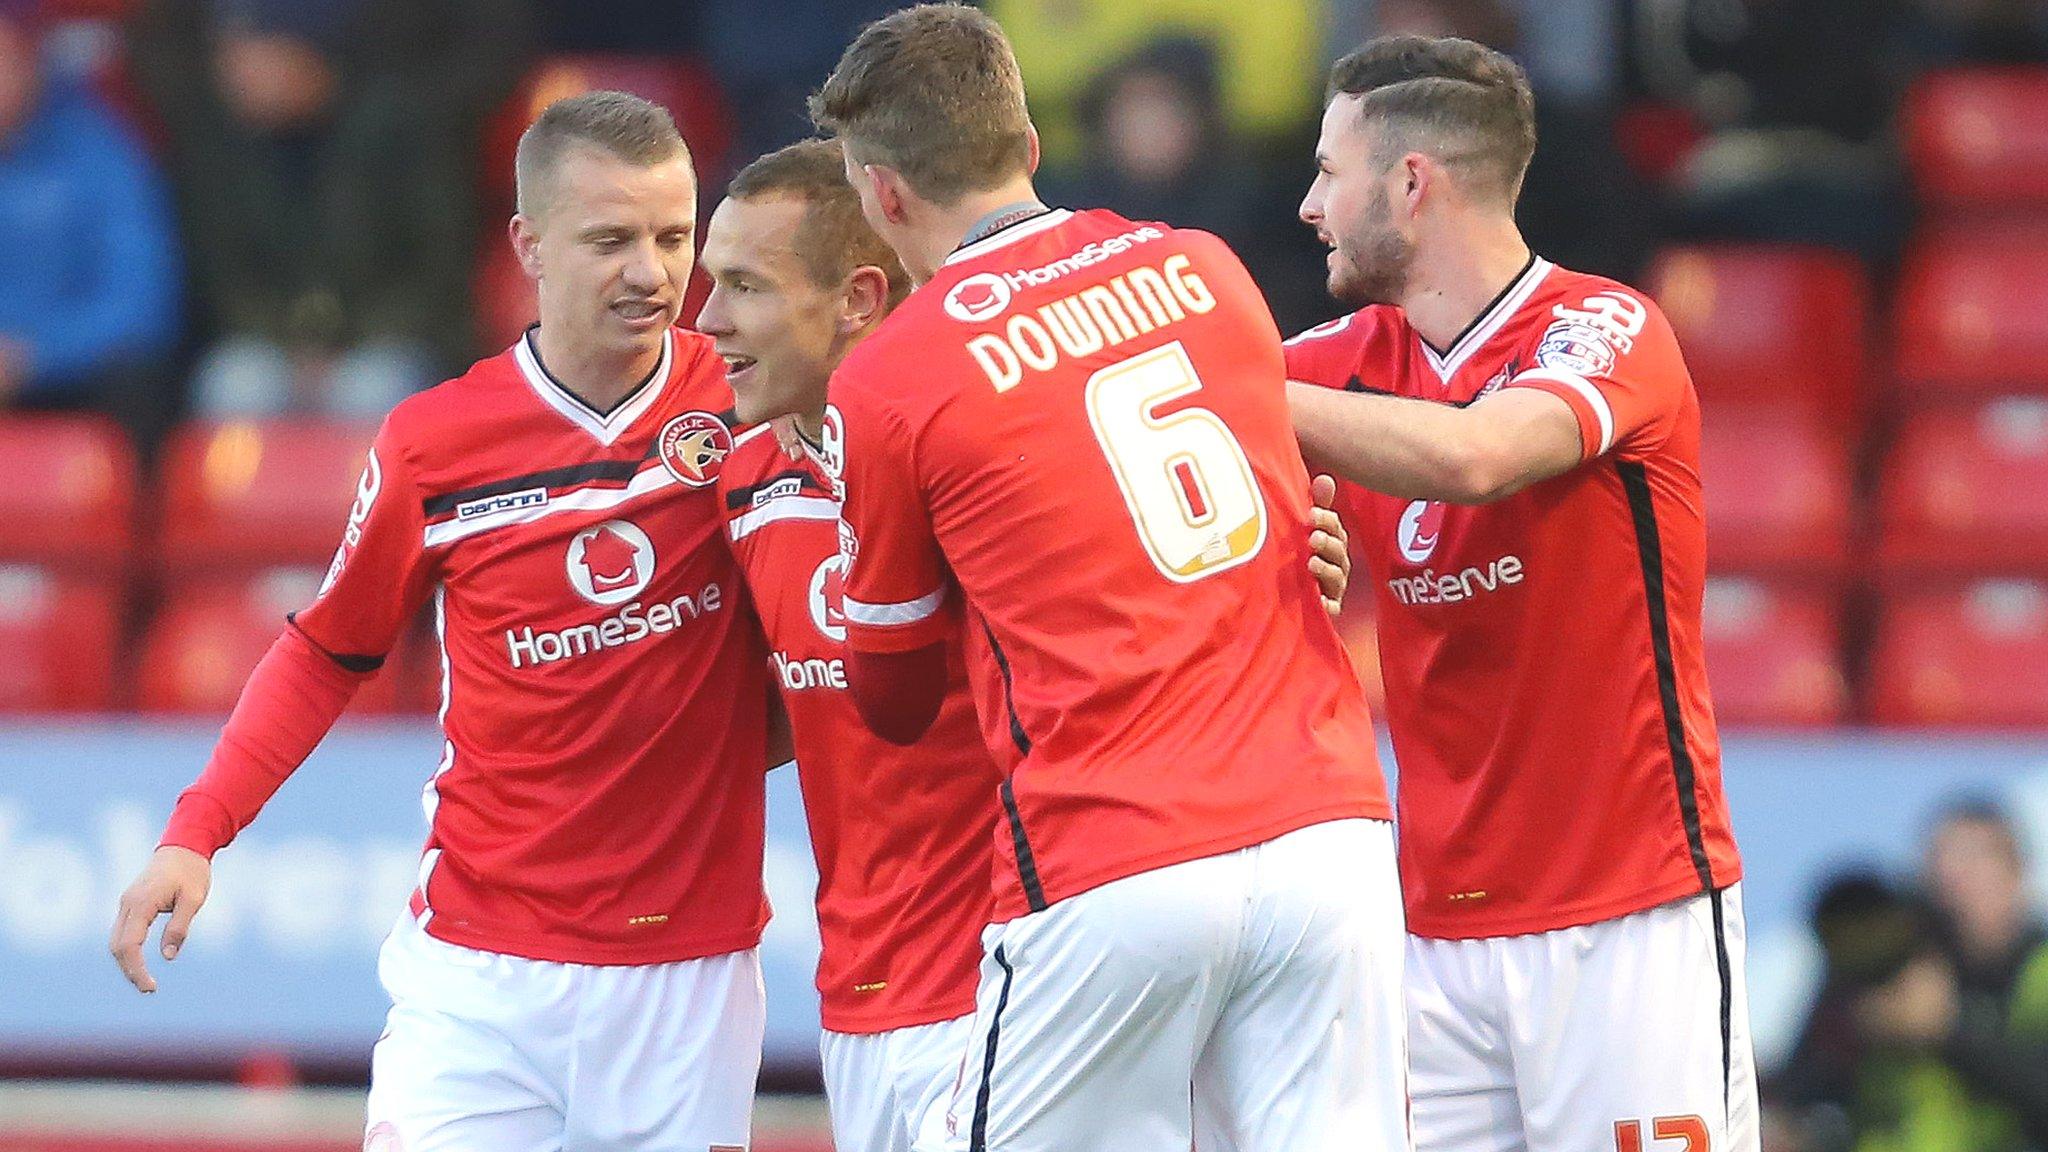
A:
[1777,492]
[209,635]
[1970,317]
[1774,654]
[70,496]
[59,639]
[1970,657]
[1977,138]
[1966,491]
[245,495]
[1759,324]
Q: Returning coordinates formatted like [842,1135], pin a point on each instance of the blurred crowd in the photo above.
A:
[1930,1031]
[260,207]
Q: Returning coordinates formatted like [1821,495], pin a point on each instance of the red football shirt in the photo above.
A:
[900,833]
[1081,423]
[1545,683]
[599,796]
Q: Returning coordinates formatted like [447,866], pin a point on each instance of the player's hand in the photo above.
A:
[176,881]
[786,435]
[1329,559]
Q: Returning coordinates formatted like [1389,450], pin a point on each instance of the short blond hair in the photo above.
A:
[620,124]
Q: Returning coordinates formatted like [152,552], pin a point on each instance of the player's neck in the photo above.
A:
[970,218]
[598,377]
[1460,281]
[810,423]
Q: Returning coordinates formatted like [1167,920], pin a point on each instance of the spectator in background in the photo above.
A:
[326,179]
[1269,77]
[1156,147]
[1995,944]
[1931,1030]
[89,284]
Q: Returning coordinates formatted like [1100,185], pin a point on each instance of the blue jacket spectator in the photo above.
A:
[89,287]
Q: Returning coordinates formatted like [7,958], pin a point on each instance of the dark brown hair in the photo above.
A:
[629,128]
[1463,103]
[933,92]
[833,238]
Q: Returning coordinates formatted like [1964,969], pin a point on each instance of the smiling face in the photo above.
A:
[610,243]
[777,327]
[1352,206]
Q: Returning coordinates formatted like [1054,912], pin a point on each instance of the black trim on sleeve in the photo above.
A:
[1650,551]
[1017,733]
[360,665]
[1027,864]
[977,1137]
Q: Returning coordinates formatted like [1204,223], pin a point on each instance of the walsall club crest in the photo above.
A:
[693,446]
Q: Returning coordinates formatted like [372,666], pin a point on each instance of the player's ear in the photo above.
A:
[1031,134]
[892,195]
[525,245]
[865,301]
[1418,173]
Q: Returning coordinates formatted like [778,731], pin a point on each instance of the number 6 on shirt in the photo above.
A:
[1184,477]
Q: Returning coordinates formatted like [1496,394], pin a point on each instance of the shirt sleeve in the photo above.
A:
[1614,359]
[1319,355]
[899,593]
[381,573]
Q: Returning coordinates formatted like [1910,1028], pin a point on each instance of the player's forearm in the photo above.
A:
[1405,448]
[293,697]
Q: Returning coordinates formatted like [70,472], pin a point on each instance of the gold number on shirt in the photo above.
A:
[1184,477]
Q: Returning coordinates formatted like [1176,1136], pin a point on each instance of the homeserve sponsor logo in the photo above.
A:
[1095,252]
[1429,588]
[630,625]
[803,675]
[1105,315]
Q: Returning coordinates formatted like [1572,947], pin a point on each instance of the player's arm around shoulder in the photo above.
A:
[1422,450]
[1601,377]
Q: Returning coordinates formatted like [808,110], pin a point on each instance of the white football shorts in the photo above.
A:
[1253,997]
[886,1090]
[1630,1034]
[488,1051]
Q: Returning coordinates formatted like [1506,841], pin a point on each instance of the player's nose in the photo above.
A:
[643,271]
[712,319]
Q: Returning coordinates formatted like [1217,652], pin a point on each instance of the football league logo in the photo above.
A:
[982,296]
[831,450]
[828,598]
[1581,349]
[1420,527]
[693,446]
[611,562]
